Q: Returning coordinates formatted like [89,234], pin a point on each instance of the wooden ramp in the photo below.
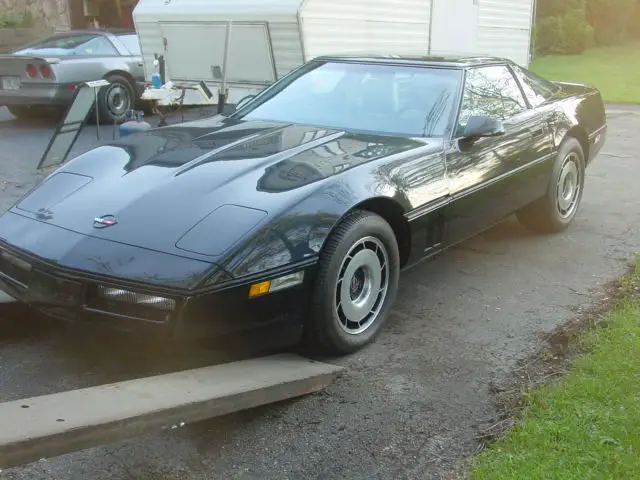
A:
[60,423]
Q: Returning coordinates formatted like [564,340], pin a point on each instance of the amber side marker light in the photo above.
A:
[280,283]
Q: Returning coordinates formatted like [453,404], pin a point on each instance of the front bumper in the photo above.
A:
[38,94]
[228,312]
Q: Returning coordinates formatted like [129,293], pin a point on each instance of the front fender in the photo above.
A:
[299,233]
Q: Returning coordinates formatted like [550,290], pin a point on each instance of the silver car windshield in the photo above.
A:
[59,45]
[377,98]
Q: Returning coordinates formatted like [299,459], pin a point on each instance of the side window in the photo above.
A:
[490,91]
[98,46]
[537,89]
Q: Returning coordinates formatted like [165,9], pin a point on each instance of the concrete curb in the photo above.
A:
[4,298]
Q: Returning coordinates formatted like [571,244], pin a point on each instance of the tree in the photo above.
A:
[613,20]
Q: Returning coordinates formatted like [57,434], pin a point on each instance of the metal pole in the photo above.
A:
[222,92]
[95,95]
[431,4]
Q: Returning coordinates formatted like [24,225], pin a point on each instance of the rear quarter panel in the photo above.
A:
[93,68]
[582,111]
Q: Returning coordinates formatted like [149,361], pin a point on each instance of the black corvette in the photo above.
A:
[296,213]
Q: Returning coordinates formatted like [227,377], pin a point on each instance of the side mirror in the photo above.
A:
[481,126]
[243,101]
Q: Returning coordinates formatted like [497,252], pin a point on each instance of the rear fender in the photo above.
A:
[582,116]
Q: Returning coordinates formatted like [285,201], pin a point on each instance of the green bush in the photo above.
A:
[579,35]
[568,33]
[550,37]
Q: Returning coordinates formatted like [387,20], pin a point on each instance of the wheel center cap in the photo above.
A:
[357,284]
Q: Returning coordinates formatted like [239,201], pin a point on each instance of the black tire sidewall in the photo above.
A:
[364,224]
[104,113]
[569,145]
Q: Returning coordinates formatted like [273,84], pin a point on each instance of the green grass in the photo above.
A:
[588,425]
[614,70]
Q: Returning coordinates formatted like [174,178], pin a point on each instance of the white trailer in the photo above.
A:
[268,38]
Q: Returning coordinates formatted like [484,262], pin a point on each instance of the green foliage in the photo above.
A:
[579,35]
[571,26]
[550,36]
[565,33]
[16,21]
[612,20]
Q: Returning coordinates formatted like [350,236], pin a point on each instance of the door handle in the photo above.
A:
[537,132]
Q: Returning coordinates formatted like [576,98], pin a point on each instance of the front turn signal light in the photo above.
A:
[259,288]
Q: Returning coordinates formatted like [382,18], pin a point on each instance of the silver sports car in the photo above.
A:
[44,75]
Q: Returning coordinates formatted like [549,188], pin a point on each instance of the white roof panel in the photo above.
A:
[216,10]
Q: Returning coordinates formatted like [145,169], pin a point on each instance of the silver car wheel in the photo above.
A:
[362,285]
[568,187]
[117,99]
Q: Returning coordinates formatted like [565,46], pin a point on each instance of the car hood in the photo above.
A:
[159,184]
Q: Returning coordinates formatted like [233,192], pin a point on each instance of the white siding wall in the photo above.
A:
[454,27]
[350,26]
[365,26]
[150,44]
[287,46]
[505,29]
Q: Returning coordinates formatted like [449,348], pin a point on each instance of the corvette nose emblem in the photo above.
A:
[104,221]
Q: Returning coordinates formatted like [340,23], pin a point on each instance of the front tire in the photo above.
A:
[356,285]
[554,212]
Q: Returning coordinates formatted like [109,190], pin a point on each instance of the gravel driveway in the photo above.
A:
[409,406]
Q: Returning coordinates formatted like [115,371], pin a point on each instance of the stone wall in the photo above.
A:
[13,38]
[45,13]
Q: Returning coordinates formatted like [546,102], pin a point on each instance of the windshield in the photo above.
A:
[60,45]
[382,99]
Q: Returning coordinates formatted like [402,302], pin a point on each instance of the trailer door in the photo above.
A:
[194,48]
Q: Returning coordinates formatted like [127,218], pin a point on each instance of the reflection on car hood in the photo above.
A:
[159,184]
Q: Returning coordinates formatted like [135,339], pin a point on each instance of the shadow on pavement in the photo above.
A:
[90,355]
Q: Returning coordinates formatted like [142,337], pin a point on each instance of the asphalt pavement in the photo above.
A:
[409,406]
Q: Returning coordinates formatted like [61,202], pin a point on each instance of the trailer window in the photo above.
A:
[384,99]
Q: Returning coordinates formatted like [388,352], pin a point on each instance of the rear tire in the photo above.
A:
[554,212]
[355,287]
[115,99]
